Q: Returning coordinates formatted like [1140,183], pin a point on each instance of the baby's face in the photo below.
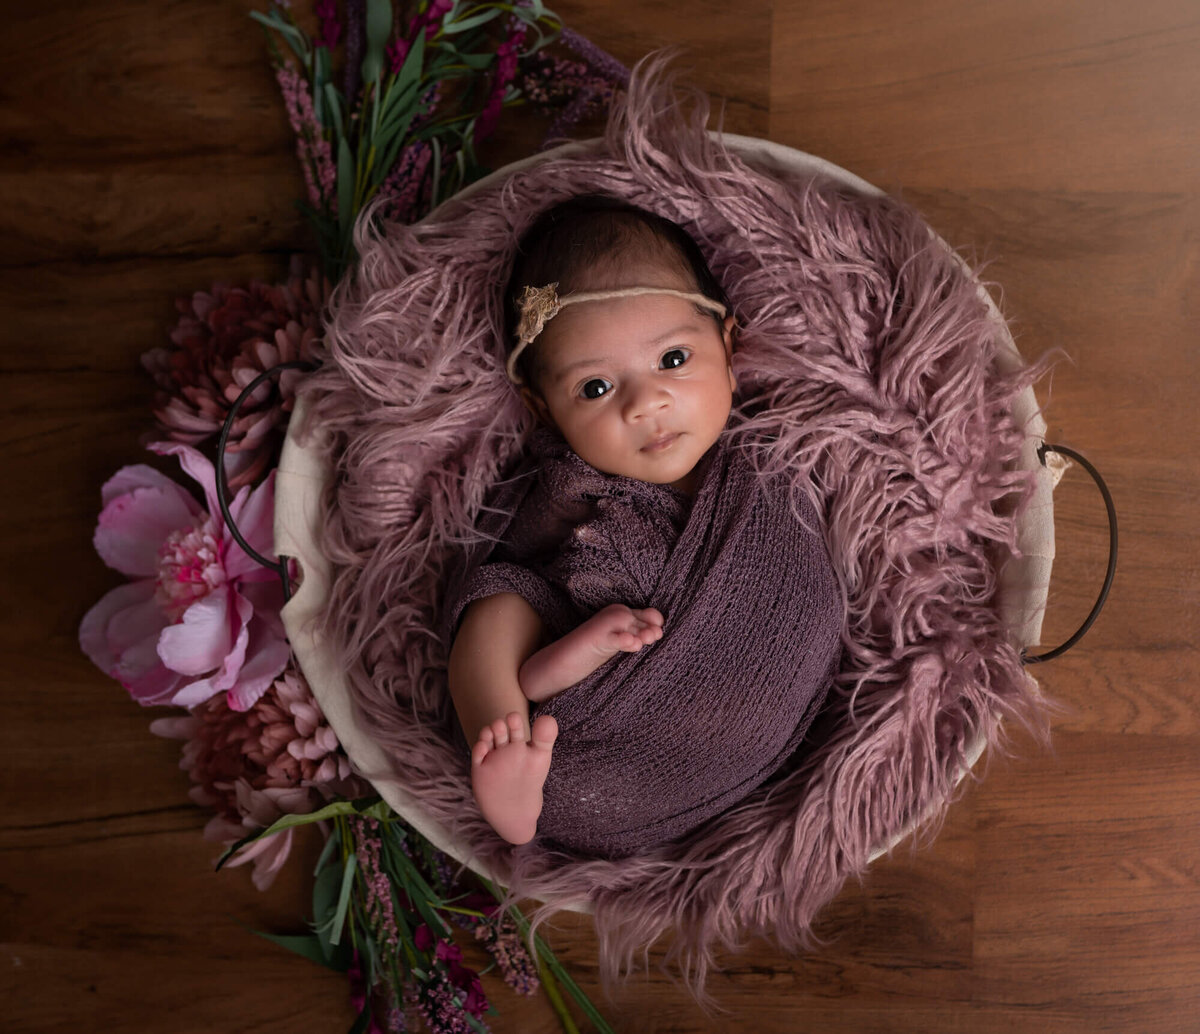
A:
[638,386]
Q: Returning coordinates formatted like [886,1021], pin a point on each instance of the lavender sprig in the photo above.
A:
[602,62]
[356,13]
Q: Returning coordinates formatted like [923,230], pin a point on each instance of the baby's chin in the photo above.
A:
[657,473]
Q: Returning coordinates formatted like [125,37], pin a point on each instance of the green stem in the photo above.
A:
[550,985]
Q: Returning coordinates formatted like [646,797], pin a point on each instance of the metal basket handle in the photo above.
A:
[280,566]
[1112,554]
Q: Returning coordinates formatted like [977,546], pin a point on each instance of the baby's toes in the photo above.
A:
[499,731]
[544,731]
[627,642]
[516,727]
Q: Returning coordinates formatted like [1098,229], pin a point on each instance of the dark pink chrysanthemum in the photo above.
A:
[224,339]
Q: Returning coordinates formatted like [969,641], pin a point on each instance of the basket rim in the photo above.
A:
[303,474]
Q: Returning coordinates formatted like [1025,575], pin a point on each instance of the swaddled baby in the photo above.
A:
[656,627]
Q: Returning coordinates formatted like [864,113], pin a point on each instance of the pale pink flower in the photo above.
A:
[201,617]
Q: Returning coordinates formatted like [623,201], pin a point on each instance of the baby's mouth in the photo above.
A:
[660,442]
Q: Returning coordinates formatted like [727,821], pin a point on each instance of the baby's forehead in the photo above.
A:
[615,329]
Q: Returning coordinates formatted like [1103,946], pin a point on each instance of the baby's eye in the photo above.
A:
[594,388]
[675,357]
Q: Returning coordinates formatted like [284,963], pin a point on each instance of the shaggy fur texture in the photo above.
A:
[865,359]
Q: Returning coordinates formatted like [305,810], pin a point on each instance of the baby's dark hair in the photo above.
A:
[569,241]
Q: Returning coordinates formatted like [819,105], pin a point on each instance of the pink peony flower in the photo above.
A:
[278,757]
[202,617]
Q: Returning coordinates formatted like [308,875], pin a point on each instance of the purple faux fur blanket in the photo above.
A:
[865,358]
[655,743]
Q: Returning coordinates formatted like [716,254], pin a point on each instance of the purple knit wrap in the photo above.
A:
[654,743]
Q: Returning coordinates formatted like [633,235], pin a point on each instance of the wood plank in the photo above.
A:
[1023,94]
[1098,911]
[146,155]
[74,316]
[156,209]
[724,49]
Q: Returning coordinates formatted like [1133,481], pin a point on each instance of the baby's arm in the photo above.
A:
[509,761]
[581,651]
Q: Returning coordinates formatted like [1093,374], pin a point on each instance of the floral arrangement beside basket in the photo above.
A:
[388,106]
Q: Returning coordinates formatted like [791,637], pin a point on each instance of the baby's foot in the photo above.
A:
[615,629]
[508,772]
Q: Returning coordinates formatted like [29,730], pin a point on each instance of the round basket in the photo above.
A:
[303,476]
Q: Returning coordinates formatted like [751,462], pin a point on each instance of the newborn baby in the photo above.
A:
[622,349]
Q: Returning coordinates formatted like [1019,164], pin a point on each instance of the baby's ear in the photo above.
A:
[727,328]
[537,406]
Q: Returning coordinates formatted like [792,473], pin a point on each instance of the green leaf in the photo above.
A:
[370,960]
[339,917]
[368,805]
[320,80]
[291,821]
[364,1018]
[393,131]
[436,146]
[331,842]
[379,27]
[307,945]
[474,1023]
[454,28]
[333,106]
[476,61]
[325,895]
[345,188]
[395,102]
[392,152]
[378,809]
[410,72]
[291,34]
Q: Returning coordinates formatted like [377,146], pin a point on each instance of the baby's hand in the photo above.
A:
[620,628]
[615,629]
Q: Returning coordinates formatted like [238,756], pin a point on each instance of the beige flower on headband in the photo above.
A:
[537,305]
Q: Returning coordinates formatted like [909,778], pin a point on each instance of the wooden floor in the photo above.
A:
[145,154]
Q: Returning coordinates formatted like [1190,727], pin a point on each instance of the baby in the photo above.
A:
[622,345]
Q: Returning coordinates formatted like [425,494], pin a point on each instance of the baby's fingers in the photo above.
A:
[649,616]
[648,634]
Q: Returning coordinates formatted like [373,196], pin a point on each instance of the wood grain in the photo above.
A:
[145,154]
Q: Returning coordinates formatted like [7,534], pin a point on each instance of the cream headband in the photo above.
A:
[538,305]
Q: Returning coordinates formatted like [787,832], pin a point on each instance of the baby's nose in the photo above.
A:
[644,399]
